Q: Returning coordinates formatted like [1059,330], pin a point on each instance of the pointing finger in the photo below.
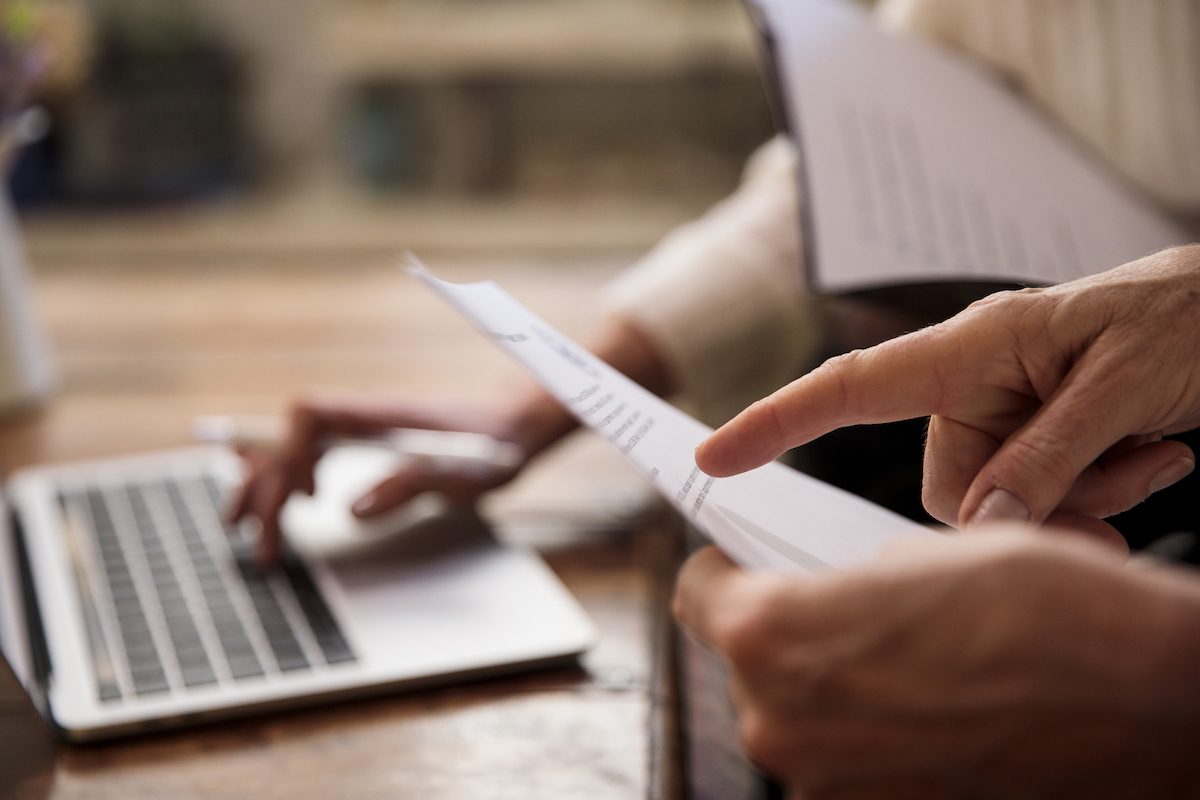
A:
[899,379]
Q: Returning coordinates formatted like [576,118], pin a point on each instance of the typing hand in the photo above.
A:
[529,418]
[1042,402]
[1003,664]
[276,473]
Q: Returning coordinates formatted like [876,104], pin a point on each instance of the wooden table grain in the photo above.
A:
[143,349]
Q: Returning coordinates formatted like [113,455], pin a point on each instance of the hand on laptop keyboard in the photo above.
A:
[174,600]
[531,422]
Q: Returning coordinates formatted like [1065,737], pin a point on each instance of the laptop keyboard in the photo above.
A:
[181,603]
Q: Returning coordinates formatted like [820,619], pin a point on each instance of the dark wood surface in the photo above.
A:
[144,349]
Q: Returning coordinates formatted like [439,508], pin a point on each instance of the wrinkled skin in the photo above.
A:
[1002,664]
[1058,398]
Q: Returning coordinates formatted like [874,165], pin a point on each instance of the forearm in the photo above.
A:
[723,298]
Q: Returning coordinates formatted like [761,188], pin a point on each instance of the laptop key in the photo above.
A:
[239,652]
[320,619]
[198,675]
[150,684]
[325,629]
[181,626]
[244,666]
[290,661]
[214,580]
[280,636]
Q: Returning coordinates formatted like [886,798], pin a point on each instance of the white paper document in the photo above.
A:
[919,165]
[773,517]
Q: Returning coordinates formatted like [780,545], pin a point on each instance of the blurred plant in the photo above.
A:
[22,63]
[22,58]
[44,46]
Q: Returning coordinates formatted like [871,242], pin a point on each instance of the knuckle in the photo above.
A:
[769,410]
[305,422]
[1038,461]
[990,300]
[846,363]
[840,370]
[840,365]
[301,409]
[843,360]
[1000,304]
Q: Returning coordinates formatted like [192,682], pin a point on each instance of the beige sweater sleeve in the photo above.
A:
[722,298]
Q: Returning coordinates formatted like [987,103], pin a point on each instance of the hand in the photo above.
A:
[530,418]
[1042,401]
[532,423]
[999,665]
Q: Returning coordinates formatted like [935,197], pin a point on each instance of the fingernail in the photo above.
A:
[364,504]
[1000,506]
[1172,473]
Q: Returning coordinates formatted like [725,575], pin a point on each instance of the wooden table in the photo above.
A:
[142,349]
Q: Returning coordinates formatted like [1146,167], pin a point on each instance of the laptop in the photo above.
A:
[128,603]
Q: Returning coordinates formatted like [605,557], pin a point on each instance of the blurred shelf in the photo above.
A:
[299,227]
[530,39]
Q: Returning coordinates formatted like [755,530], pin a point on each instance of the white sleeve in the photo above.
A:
[724,299]
[1122,75]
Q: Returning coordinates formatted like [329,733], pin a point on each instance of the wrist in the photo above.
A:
[534,421]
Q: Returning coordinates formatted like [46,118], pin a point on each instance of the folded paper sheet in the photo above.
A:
[773,517]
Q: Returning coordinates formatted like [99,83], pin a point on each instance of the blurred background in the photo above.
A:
[213,194]
[285,126]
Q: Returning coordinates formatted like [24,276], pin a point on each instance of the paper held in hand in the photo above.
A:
[773,517]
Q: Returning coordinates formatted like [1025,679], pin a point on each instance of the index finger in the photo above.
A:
[898,379]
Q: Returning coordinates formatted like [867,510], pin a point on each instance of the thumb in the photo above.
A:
[701,592]
[457,485]
[393,492]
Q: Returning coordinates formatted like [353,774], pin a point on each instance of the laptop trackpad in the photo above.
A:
[446,596]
